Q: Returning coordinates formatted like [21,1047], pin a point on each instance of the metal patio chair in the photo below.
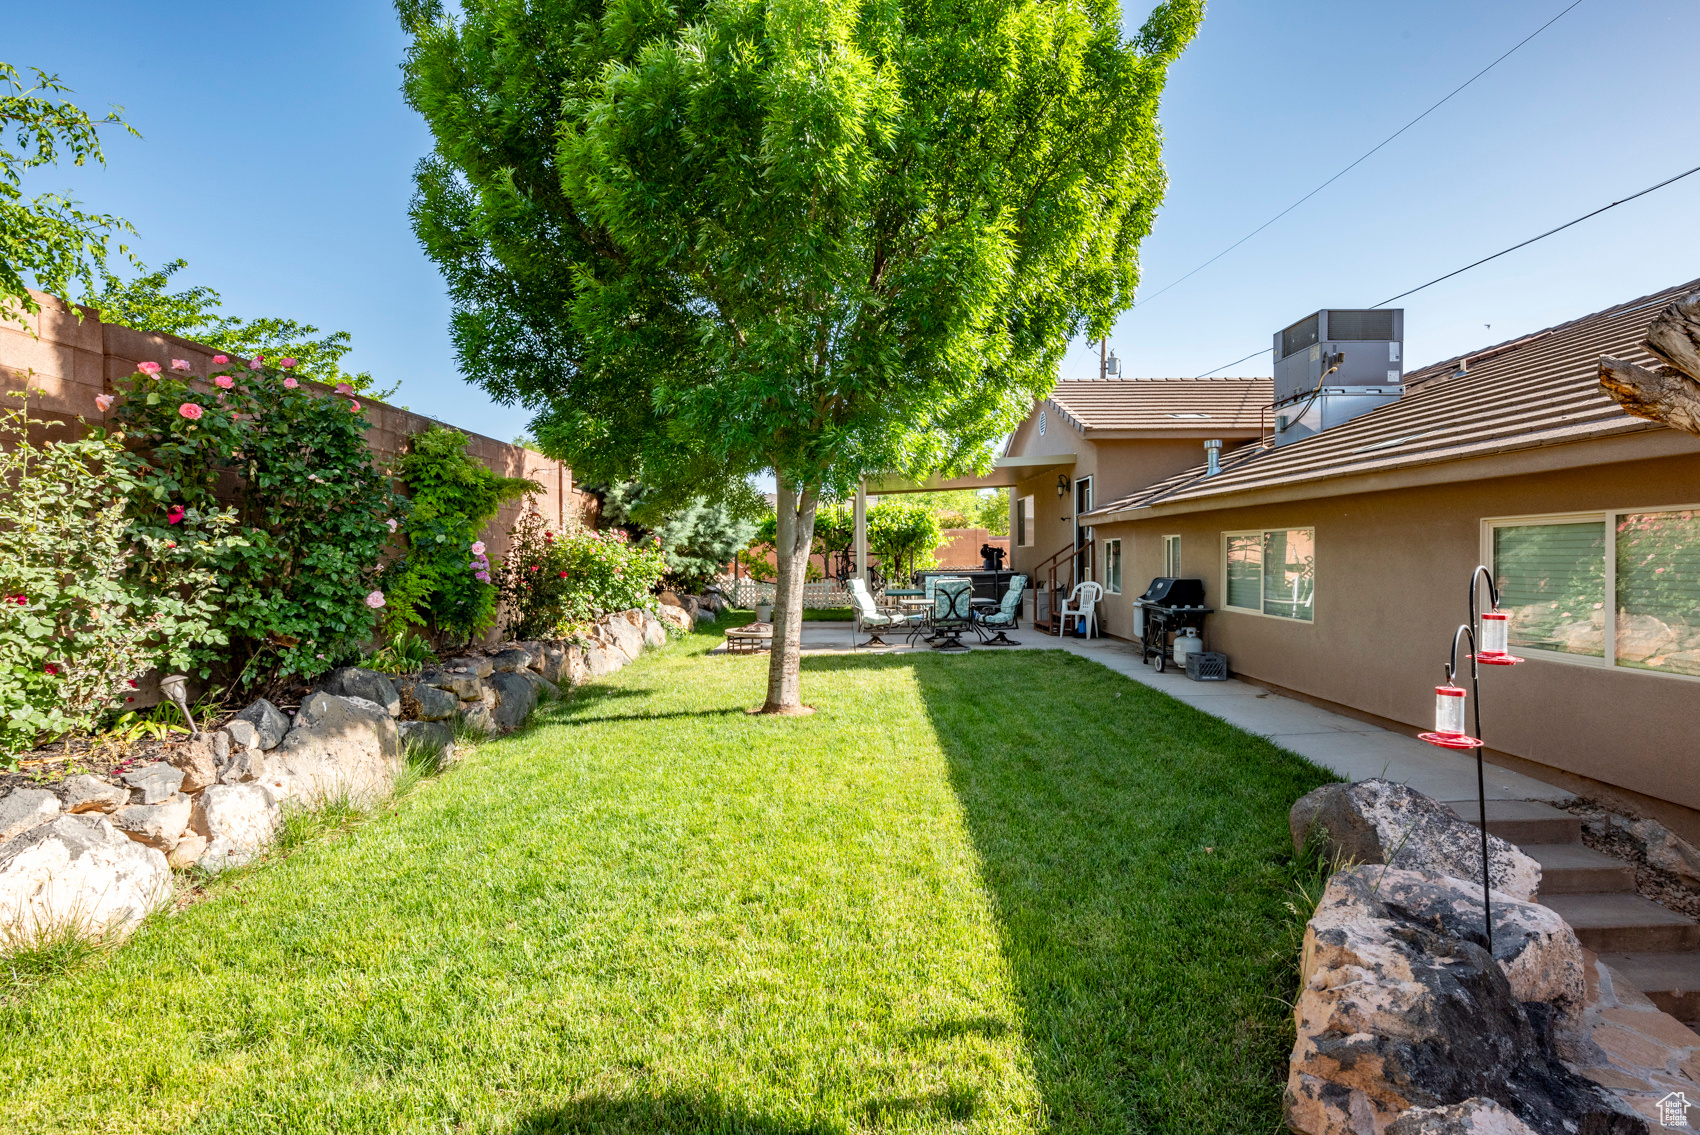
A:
[1005,618]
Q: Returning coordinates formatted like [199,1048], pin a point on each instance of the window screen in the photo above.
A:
[1113,566]
[1245,572]
[1172,556]
[1289,573]
[1551,580]
[1658,591]
[1024,522]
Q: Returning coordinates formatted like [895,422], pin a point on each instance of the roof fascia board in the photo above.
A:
[1186,433]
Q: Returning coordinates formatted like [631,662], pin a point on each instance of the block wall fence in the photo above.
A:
[70,361]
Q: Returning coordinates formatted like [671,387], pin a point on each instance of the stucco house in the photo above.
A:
[1338,565]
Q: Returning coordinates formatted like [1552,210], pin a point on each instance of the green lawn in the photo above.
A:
[992,892]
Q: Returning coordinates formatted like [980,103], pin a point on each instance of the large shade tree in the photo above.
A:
[825,238]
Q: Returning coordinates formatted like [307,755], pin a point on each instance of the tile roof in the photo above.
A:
[1537,390]
[1164,403]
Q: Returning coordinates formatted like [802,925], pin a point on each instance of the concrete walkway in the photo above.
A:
[1351,748]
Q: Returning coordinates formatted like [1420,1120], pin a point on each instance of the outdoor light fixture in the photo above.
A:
[1489,633]
[176,689]
[1062,484]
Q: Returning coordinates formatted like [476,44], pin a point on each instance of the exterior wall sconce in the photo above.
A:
[1489,633]
[1062,484]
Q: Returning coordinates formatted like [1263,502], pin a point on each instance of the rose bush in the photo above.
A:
[555,583]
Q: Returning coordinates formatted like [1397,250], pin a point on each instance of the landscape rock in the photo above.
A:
[338,746]
[24,808]
[187,853]
[242,735]
[479,714]
[1666,850]
[156,825]
[654,634]
[1472,1117]
[423,702]
[552,661]
[475,664]
[238,821]
[89,794]
[511,660]
[463,684]
[1378,821]
[546,690]
[1401,1007]
[78,871]
[436,738]
[268,721]
[198,759]
[153,783]
[245,765]
[675,616]
[600,660]
[516,697]
[624,637]
[353,682]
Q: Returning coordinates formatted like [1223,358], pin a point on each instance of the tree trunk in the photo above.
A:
[794,536]
[1670,394]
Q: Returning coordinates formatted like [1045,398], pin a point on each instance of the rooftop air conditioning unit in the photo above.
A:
[1334,365]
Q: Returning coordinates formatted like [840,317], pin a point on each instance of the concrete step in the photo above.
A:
[1522,821]
[1671,981]
[1620,923]
[1572,869]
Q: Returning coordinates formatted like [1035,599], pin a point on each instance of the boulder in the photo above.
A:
[153,783]
[654,634]
[479,714]
[199,759]
[188,852]
[78,871]
[156,825]
[1472,1117]
[675,617]
[1666,850]
[24,808]
[1400,1006]
[624,637]
[243,766]
[601,660]
[339,746]
[90,794]
[1378,821]
[463,684]
[268,721]
[552,661]
[513,659]
[546,690]
[238,821]
[422,702]
[475,664]
[516,697]
[707,616]
[242,735]
[353,682]
[431,738]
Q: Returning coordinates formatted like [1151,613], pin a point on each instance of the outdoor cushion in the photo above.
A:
[1004,616]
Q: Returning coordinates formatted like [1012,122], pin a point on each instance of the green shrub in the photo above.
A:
[553,583]
[299,591]
[86,604]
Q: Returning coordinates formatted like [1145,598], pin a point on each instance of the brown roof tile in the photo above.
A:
[1536,390]
[1187,404]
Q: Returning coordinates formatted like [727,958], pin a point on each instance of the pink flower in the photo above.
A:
[290,384]
[174,514]
[534,567]
[286,363]
[353,407]
[191,411]
[391,523]
[224,382]
[563,575]
[51,668]
[478,548]
[169,544]
[344,388]
[220,360]
[257,362]
[375,600]
[221,396]
[483,577]
[148,368]
[103,402]
[18,599]
[179,364]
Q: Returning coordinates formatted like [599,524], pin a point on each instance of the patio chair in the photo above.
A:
[924,627]
[1082,607]
[1005,617]
[953,609]
[870,618]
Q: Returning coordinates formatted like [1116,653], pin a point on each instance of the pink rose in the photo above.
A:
[148,368]
[290,384]
[224,382]
[375,600]
[174,514]
[483,577]
[220,360]
[344,388]
[353,407]
[478,548]
[191,411]
[391,523]
[286,363]
[103,402]
[179,364]
[257,363]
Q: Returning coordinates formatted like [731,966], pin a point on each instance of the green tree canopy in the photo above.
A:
[823,237]
[47,236]
[697,538]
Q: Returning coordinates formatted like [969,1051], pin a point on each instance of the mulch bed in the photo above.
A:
[1603,834]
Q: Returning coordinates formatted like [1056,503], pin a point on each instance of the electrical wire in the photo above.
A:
[1360,160]
[1236,362]
[1543,236]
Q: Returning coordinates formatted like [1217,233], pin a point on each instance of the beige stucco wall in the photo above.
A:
[1392,569]
[70,361]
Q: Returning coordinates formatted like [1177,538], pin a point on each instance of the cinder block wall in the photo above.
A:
[71,360]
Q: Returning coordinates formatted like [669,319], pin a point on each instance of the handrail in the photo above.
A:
[1049,569]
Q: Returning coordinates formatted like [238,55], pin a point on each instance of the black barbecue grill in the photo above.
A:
[1168,607]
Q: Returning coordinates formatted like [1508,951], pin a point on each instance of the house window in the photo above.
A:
[1619,588]
[1024,522]
[1113,566]
[1172,557]
[1271,572]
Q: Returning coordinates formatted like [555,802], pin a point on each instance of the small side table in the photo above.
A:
[751,639]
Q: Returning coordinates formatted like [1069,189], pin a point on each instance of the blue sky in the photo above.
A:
[277,157]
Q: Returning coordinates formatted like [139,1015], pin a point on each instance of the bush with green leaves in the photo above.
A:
[699,536]
[86,604]
[554,584]
[534,579]
[299,591]
[442,581]
[903,535]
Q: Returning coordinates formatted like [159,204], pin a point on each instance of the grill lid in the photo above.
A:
[1166,591]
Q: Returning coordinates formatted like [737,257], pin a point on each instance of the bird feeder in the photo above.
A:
[1496,640]
[1449,731]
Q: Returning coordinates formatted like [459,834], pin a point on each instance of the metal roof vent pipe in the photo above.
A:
[1213,457]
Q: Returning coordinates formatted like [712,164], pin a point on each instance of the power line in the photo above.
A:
[1543,236]
[1236,362]
[1355,164]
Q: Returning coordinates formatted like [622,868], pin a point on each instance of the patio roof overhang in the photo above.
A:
[1006,473]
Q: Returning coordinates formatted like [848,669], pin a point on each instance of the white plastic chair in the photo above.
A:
[1081,605]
